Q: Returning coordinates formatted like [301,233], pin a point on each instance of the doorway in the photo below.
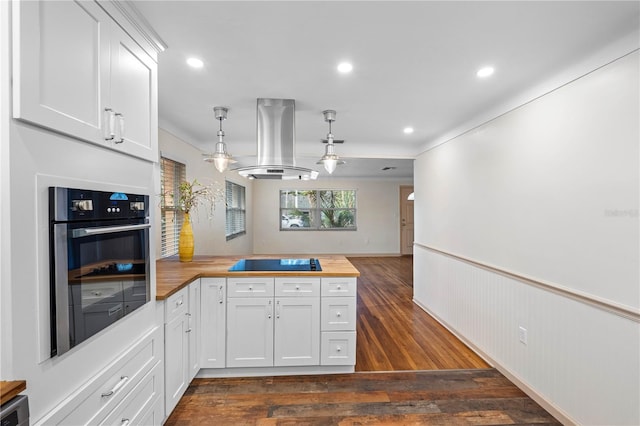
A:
[406,220]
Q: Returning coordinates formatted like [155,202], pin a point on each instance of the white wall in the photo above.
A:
[209,233]
[378,219]
[548,192]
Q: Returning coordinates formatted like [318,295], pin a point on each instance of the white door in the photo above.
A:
[297,331]
[249,332]
[61,66]
[176,360]
[213,315]
[193,328]
[406,220]
[133,95]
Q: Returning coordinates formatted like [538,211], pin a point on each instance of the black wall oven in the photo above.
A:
[99,268]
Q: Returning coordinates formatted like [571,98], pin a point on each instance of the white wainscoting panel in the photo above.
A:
[582,361]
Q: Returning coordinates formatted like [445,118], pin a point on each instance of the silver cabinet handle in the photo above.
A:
[109,124]
[125,422]
[278,309]
[270,310]
[123,380]
[120,127]
[220,295]
[338,314]
[85,232]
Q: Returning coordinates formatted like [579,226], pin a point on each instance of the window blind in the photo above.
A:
[236,210]
[172,173]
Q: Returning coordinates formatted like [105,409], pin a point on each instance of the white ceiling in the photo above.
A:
[414,64]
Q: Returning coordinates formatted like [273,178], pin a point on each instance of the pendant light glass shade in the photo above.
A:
[220,158]
[330,159]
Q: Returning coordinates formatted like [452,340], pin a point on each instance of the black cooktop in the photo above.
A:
[277,265]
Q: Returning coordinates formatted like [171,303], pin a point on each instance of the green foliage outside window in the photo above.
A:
[318,209]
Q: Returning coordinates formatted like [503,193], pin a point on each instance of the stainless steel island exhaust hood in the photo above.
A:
[276,143]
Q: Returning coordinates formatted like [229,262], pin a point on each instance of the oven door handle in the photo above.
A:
[86,232]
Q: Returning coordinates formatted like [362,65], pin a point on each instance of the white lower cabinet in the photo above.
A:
[130,388]
[262,322]
[181,342]
[338,321]
[213,322]
[249,332]
[136,409]
[273,322]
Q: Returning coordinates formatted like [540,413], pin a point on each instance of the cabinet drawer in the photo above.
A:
[97,398]
[297,287]
[338,313]
[250,287]
[176,305]
[339,286]
[139,400]
[338,348]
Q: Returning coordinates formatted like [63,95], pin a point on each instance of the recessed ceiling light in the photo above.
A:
[195,63]
[485,72]
[408,130]
[345,67]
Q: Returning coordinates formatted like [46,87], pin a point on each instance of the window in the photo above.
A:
[236,211]
[171,174]
[318,209]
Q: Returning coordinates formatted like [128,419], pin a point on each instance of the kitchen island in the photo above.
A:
[173,275]
[222,323]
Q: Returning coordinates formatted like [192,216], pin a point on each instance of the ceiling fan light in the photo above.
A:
[329,162]
[221,158]
[330,159]
[221,164]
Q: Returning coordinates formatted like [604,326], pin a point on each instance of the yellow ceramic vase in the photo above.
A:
[185,244]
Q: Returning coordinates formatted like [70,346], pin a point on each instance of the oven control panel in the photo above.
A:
[82,204]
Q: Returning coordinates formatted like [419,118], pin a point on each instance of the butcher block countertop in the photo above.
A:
[172,275]
[10,389]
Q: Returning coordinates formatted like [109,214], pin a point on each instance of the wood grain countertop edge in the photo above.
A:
[9,389]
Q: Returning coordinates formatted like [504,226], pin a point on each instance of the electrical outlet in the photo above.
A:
[522,334]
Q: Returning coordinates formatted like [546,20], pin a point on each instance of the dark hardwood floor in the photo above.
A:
[444,397]
[394,336]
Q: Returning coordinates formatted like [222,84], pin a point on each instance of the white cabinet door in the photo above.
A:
[176,360]
[61,66]
[193,329]
[297,331]
[213,315]
[77,72]
[249,332]
[133,96]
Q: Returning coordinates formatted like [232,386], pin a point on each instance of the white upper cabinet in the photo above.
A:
[77,72]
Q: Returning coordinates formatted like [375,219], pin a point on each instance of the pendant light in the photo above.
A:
[330,159]
[221,158]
